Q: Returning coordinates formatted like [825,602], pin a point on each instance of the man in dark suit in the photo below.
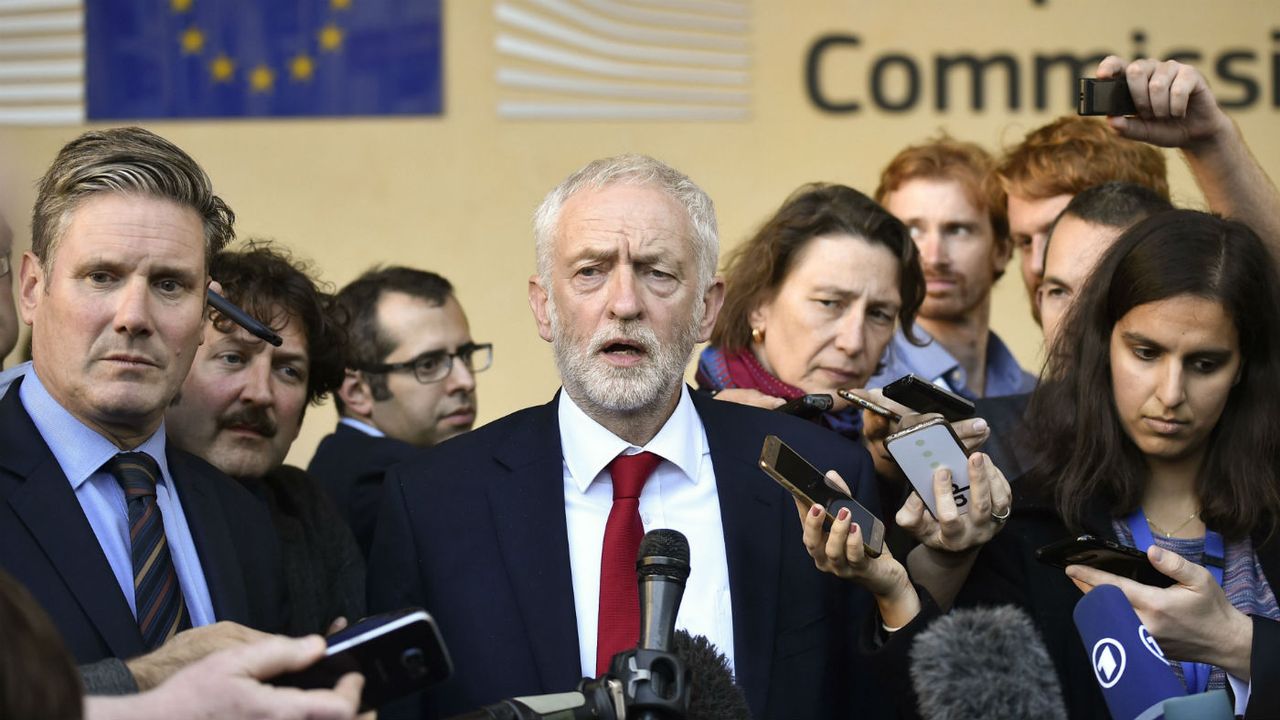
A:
[521,537]
[410,383]
[123,539]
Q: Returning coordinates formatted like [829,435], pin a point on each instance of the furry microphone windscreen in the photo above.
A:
[985,664]
[712,694]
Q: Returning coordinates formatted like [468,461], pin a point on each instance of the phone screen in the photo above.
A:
[804,481]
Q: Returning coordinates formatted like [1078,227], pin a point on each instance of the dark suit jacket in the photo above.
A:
[48,545]
[474,530]
[351,466]
[1006,571]
[1007,446]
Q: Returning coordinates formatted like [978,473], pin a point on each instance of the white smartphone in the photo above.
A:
[921,450]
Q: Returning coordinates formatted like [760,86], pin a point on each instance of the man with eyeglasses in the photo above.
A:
[410,383]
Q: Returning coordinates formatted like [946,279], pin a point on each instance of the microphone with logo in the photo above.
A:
[987,663]
[1135,677]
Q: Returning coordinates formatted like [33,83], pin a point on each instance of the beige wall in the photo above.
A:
[454,193]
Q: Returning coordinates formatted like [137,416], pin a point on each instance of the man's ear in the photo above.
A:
[31,286]
[713,300]
[538,301]
[356,394]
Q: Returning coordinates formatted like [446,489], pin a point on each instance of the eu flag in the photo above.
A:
[239,58]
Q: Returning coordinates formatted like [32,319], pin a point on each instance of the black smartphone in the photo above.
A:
[1105,555]
[1104,97]
[398,653]
[925,397]
[866,404]
[804,481]
[807,406]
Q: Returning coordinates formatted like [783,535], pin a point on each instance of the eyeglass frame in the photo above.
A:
[469,349]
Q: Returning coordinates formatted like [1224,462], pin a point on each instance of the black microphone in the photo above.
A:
[595,700]
[984,663]
[661,570]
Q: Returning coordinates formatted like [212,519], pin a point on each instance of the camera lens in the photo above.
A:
[415,662]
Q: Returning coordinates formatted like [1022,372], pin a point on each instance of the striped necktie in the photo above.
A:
[158,601]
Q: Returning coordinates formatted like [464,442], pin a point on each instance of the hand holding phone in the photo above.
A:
[1106,555]
[398,653]
[812,487]
[923,449]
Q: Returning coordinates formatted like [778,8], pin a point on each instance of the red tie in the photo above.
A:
[619,620]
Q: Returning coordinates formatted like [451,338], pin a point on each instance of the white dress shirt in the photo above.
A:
[680,495]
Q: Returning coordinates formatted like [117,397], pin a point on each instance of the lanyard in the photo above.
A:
[1195,673]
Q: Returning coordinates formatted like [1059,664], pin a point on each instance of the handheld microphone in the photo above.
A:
[1135,678]
[661,570]
[984,663]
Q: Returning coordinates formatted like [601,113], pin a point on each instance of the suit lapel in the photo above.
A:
[750,513]
[528,513]
[47,506]
[212,538]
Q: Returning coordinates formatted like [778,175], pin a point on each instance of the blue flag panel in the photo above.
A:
[242,58]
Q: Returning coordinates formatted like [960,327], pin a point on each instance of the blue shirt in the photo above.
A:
[934,364]
[81,452]
[8,376]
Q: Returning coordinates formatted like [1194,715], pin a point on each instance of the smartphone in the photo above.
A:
[804,481]
[865,404]
[1104,97]
[921,450]
[807,406]
[398,653]
[1105,555]
[925,397]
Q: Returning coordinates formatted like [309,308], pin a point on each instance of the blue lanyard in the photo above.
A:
[1196,673]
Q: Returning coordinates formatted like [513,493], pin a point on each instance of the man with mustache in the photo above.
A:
[410,383]
[946,193]
[241,407]
[125,540]
[521,537]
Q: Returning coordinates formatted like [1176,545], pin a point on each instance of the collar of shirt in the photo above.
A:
[589,447]
[363,427]
[79,450]
[932,362]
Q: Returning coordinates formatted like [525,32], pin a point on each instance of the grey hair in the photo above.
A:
[632,169]
[127,160]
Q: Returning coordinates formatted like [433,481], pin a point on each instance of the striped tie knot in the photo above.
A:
[136,472]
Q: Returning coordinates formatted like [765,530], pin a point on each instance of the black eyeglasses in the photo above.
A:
[435,366]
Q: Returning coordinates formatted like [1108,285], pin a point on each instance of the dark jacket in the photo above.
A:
[323,567]
[350,465]
[474,530]
[46,542]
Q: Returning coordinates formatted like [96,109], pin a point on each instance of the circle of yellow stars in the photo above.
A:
[262,78]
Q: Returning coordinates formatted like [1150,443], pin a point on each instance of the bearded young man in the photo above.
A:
[515,535]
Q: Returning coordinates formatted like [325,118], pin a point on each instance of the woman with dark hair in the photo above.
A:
[811,302]
[1155,426]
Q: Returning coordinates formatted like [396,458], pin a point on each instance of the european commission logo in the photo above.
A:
[678,60]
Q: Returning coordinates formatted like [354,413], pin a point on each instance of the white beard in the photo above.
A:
[588,378]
